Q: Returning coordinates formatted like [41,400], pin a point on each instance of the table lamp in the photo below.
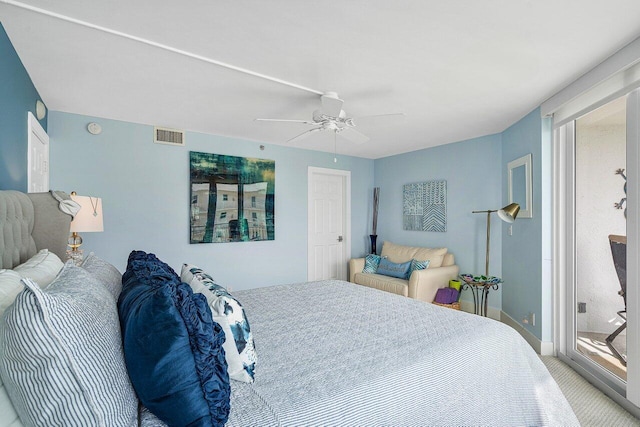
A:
[88,219]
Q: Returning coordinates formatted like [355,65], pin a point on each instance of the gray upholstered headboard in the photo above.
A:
[28,223]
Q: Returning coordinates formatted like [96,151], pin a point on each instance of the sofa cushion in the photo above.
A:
[448,260]
[401,253]
[392,269]
[418,265]
[371,263]
[383,283]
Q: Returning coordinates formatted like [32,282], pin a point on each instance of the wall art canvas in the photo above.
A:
[425,206]
[232,198]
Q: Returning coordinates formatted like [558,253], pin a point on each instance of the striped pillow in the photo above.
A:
[418,265]
[61,355]
[371,263]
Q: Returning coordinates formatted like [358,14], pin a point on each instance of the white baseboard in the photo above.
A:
[544,348]
[468,306]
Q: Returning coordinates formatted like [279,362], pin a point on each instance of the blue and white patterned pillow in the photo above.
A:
[239,348]
[61,354]
[418,265]
[371,263]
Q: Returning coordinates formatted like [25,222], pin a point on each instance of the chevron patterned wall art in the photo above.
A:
[425,206]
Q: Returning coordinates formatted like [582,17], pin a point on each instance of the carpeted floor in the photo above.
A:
[592,407]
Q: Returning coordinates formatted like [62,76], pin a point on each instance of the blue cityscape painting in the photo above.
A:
[232,198]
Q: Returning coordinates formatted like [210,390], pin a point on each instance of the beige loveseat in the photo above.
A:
[422,284]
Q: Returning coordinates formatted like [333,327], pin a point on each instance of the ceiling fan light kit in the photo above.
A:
[331,117]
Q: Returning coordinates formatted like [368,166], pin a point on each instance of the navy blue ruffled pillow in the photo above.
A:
[172,347]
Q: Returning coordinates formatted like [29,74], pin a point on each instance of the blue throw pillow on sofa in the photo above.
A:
[371,263]
[388,268]
[172,347]
[417,265]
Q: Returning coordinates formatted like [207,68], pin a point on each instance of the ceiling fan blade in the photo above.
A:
[377,117]
[353,135]
[305,134]
[331,104]
[306,122]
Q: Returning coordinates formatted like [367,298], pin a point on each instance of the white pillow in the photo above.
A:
[10,287]
[42,268]
[239,349]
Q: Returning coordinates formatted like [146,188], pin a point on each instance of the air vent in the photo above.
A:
[168,136]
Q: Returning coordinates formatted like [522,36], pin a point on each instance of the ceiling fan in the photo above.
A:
[331,117]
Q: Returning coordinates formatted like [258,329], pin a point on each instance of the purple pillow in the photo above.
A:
[446,296]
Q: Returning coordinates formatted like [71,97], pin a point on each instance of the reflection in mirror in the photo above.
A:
[519,185]
[232,198]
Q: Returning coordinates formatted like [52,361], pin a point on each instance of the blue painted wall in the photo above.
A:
[145,192]
[473,171]
[523,252]
[18,95]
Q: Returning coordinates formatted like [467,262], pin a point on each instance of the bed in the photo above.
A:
[335,353]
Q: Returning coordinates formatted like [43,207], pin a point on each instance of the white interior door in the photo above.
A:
[329,234]
[37,157]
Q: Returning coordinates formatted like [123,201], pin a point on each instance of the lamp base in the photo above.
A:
[76,255]
[74,252]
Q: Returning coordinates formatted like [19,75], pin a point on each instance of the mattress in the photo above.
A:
[335,353]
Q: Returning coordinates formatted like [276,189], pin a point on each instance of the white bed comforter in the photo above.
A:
[333,353]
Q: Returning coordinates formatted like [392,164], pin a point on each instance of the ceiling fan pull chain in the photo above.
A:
[335,146]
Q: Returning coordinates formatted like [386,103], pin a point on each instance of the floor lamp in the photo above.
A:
[507,214]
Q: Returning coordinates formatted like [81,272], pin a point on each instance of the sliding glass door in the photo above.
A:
[596,229]
[600,238]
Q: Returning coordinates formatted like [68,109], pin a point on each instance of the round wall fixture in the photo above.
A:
[41,110]
[94,128]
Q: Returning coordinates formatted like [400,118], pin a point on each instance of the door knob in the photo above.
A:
[340,239]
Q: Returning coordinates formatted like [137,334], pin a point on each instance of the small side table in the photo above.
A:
[480,286]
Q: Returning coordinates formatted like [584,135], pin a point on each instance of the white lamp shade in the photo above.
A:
[89,217]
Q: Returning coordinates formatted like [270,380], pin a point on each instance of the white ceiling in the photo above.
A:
[458,69]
